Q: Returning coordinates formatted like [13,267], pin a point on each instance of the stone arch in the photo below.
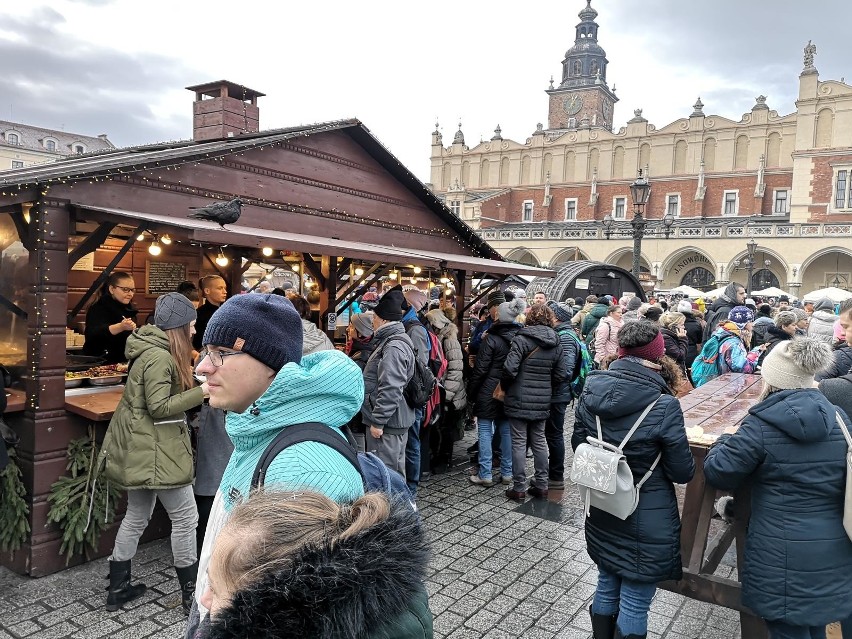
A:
[577,68]
[680,157]
[568,170]
[710,154]
[485,173]
[618,162]
[779,266]
[526,166]
[547,167]
[672,260]
[842,263]
[504,172]
[824,128]
[618,255]
[569,254]
[773,150]
[741,152]
[523,255]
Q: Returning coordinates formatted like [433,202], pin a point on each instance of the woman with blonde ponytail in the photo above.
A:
[297,564]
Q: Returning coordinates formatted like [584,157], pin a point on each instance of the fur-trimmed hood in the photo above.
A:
[347,591]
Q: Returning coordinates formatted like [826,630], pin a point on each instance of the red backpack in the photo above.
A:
[438,366]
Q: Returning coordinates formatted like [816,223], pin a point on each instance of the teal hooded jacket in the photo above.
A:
[326,387]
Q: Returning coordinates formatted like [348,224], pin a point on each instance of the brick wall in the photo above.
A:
[822,191]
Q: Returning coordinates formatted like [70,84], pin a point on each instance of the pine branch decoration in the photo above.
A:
[14,513]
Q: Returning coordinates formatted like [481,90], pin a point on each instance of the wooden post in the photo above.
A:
[328,296]
[461,293]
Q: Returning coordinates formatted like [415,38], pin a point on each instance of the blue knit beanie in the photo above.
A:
[267,327]
[741,315]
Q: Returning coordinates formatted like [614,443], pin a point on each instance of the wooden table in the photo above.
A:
[97,405]
[713,409]
[15,400]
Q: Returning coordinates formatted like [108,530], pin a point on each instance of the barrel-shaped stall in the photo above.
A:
[585,277]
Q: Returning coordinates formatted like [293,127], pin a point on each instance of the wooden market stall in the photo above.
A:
[326,198]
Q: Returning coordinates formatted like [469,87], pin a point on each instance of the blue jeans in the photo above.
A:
[781,630]
[486,429]
[412,453]
[630,600]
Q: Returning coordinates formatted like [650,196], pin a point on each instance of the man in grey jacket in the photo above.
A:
[386,413]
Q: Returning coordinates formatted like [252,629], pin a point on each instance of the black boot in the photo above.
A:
[618,635]
[187,576]
[120,589]
[603,626]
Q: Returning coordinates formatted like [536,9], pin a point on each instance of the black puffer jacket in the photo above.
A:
[719,309]
[675,347]
[361,350]
[694,337]
[646,546]
[489,367]
[774,336]
[531,379]
[841,363]
[369,585]
[571,352]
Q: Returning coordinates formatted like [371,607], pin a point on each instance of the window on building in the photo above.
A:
[570,208]
[50,145]
[572,123]
[12,138]
[17,164]
[731,203]
[455,207]
[528,210]
[79,150]
[843,189]
[619,208]
[781,202]
[673,204]
[577,69]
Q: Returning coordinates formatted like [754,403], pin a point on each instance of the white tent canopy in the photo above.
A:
[836,295]
[683,289]
[716,292]
[773,291]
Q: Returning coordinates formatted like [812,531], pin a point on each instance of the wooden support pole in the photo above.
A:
[461,293]
[315,269]
[95,239]
[328,296]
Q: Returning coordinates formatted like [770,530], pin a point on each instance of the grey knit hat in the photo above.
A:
[634,303]
[824,304]
[173,310]
[363,323]
[508,312]
[563,312]
[792,363]
[265,326]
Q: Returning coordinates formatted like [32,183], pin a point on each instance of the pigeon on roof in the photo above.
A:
[221,212]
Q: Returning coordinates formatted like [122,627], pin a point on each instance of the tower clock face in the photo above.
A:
[572,104]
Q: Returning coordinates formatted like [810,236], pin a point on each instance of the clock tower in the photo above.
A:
[583,98]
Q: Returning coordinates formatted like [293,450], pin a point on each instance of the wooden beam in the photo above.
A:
[22,227]
[102,277]
[378,270]
[12,307]
[95,239]
[343,266]
[329,293]
[717,548]
[314,269]
[482,294]
[461,293]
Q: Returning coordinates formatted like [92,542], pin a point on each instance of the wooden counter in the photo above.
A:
[713,409]
[15,400]
[96,404]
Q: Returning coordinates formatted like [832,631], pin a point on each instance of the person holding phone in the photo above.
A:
[674,335]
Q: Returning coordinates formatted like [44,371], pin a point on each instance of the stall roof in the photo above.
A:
[204,231]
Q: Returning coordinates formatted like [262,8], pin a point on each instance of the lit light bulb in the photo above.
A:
[140,237]
[268,276]
[393,275]
[359,272]
[445,279]
[414,280]
[221,260]
[166,239]
[155,248]
[295,268]
[417,270]
[267,251]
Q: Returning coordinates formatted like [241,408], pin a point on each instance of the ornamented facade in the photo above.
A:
[22,145]
[776,178]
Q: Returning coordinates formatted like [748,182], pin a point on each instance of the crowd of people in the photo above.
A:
[405,387]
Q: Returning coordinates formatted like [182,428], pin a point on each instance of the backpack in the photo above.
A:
[706,366]
[437,365]
[603,475]
[422,384]
[375,475]
[584,365]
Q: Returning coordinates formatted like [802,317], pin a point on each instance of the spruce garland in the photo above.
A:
[79,502]
[14,513]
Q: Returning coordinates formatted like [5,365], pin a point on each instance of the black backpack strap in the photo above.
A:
[307,432]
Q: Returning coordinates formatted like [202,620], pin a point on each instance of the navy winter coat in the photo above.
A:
[694,335]
[841,363]
[571,352]
[532,373]
[489,368]
[798,559]
[646,546]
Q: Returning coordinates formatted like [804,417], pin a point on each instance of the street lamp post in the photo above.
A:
[748,262]
[640,192]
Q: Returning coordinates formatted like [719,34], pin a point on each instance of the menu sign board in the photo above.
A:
[163,277]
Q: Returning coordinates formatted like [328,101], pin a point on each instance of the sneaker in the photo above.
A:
[515,495]
[476,479]
[507,480]
[535,491]
[556,484]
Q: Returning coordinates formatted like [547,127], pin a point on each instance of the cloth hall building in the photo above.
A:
[772,177]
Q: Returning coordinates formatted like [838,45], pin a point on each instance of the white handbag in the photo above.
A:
[847,502]
[603,476]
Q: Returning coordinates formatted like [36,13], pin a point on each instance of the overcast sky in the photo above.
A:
[120,66]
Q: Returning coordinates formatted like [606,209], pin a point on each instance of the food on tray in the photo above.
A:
[108,370]
[694,432]
[71,375]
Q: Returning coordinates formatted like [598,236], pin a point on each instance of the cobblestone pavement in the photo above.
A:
[499,570]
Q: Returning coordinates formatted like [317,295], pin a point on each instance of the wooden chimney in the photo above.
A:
[223,109]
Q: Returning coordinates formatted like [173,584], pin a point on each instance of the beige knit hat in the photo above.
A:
[792,364]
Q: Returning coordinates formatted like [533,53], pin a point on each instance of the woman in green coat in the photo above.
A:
[294,563]
[147,450]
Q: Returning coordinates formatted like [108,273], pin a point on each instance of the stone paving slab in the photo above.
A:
[499,571]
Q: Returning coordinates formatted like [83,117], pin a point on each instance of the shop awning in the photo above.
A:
[235,234]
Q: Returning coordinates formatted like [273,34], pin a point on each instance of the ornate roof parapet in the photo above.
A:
[760,104]
[498,133]
[698,109]
[637,117]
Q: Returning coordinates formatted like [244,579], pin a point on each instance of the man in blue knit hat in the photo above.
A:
[253,363]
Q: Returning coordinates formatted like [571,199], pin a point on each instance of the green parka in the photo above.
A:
[147,443]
